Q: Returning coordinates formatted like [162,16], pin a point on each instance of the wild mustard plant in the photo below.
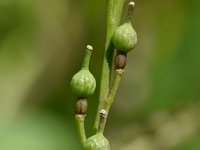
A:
[121,38]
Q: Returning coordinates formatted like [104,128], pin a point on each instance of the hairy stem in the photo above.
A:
[114,10]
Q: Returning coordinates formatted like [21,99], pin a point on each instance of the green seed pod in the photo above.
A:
[97,142]
[83,83]
[125,37]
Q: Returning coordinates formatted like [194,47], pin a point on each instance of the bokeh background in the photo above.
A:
[42,45]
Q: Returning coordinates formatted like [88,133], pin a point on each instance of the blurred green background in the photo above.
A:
[42,45]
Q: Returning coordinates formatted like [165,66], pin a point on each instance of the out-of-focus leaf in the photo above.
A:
[39,131]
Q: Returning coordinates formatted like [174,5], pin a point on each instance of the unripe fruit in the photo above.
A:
[83,83]
[125,37]
[97,142]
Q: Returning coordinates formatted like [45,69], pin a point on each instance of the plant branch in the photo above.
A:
[113,90]
[114,10]
[103,116]
[81,128]
[111,96]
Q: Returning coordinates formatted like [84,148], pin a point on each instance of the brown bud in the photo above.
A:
[120,60]
[81,107]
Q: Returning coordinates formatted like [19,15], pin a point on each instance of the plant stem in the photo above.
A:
[114,10]
[111,96]
[81,128]
[103,115]
[86,60]
[130,11]
[113,90]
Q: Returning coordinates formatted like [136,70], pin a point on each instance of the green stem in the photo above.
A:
[86,61]
[114,10]
[103,115]
[130,11]
[81,128]
[113,90]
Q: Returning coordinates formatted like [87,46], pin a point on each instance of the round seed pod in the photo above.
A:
[97,142]
[124,38]
[83,83]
